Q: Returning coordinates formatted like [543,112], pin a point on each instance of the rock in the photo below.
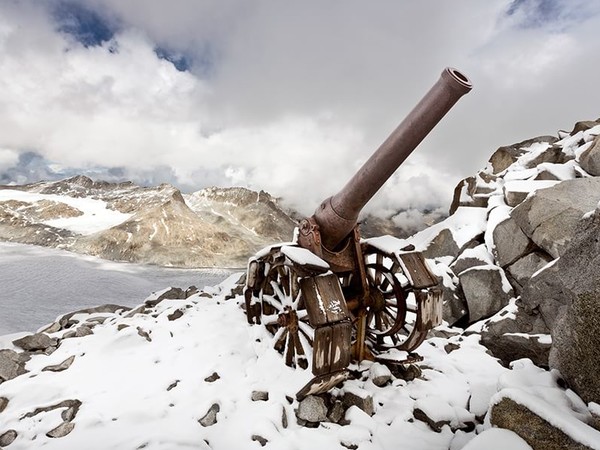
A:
[519,335]
[442,245]
[61,431]
[284,419]
[261,440]
[173,293]
[312,409]
[260,396]
[9,365]
[434,425]
[486,291]
[72,409]
[584,125]
[510,243]
[549,217]
[37,341]
[336,412]
[379,374]
[177,314]
[60,367]
[515,192]
[212,378]
[8,438]
[82,331]
[210,418]
[144,334]
[192,290]
[522,269]
[535,430]
[362,399]
[553,155]
[505,156]
[469,192]
[590,158]
[66,322]
[3,403]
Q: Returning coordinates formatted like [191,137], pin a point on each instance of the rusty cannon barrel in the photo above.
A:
[337,215]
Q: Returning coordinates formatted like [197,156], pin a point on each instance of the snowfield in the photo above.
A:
[145,380]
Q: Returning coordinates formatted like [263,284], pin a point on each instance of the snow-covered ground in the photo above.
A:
[145,380]
[38,284]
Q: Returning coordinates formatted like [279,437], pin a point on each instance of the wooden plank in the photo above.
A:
[322,350]
[324,299]
[340,346]
[416,269]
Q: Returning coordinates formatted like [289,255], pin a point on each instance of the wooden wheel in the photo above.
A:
[285,317]
[392,306]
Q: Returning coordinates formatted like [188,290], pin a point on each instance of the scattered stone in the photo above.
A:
[83,330]
[37,341]
[144,334]
[66,322]
[434,425]
[69,414]
[60,367]
[451,346]
[3,403]
[406,372]
[210,418]
[192,290]
[8,438]
[171,294]
[442,245]
[312,409]
[284,419]
[173,385]
[205,295]
[9,365]
[535,430]
[380,375]
[362,399]
[52,328]
[122,326]
[336,412]
[261,440]
[71,404]
[212,378]
[260,396]
[349,446]
[486,291]
[61,431]
[178,313]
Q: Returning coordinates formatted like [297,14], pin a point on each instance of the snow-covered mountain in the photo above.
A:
[158,225]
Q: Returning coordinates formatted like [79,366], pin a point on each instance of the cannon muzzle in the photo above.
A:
[337,215]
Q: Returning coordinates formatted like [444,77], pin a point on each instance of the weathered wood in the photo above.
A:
[415,268]
[324,299]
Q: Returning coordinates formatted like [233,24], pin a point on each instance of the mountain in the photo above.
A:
[219,227]
[156,225]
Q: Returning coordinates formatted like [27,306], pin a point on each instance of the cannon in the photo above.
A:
[329,297]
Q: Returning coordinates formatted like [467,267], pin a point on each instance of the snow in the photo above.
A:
[497,439]
[466,223]
[303,257]
[96,216]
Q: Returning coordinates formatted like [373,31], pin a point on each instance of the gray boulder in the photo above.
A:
[37,341]
[576,333]
[534,429]
[312,409]
[517,335]
[510,243]
[12,364]
[486,291]
[522,270]
[442,245]
[549,216]
[589,160]
[505,156]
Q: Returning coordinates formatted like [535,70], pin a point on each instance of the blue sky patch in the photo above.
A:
[179,60]
[83,24]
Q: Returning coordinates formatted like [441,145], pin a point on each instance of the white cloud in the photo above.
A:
[290,97]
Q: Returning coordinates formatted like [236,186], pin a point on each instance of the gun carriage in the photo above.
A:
[328,297]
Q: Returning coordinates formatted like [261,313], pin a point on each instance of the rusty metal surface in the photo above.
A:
[337,215]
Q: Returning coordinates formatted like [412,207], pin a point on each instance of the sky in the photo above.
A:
[287,97]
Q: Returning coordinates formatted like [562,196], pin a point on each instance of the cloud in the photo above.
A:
[287,97]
